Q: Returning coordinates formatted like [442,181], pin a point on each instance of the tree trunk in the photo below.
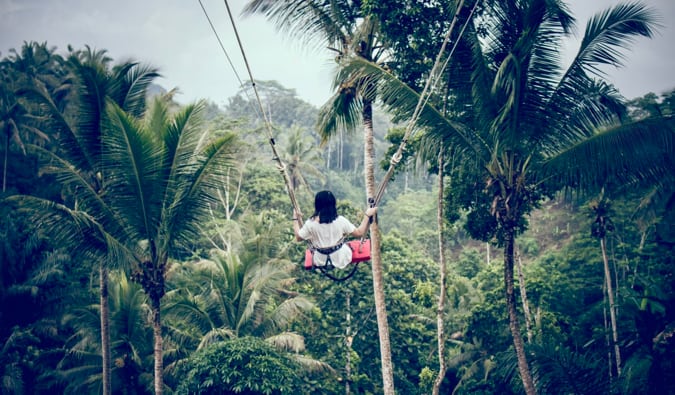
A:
[341,151]
[105,328]
[348,343]
[376,258]
[523,296]
[440,327]
[525,376]
[608,340]
[158,353]
[487,250]
[612,307]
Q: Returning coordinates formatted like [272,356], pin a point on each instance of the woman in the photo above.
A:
[326,231]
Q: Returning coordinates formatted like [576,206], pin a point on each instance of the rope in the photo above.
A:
[268,125]
[434,77]
[227,56]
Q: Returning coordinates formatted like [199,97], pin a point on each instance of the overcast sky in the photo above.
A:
[175,36]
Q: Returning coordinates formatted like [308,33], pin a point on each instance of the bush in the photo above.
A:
[247,366]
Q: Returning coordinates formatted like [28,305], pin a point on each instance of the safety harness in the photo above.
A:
[360,253]
[326,251]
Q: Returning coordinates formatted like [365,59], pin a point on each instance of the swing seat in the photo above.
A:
[360,252]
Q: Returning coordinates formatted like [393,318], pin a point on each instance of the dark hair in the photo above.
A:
[325,207]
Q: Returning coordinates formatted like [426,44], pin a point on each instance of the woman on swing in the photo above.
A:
[326,230]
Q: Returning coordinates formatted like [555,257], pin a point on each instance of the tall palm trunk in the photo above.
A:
[348,342]
[612,306]
[514,326]
[523,296]
[5,162]
[105,327]
[440,327]
[157,349]
[376,258]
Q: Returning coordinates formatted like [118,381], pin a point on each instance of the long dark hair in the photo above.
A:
[325,207]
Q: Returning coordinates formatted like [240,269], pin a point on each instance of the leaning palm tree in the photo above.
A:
[525,110]
[342,27]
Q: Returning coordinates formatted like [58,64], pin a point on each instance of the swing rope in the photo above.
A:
[268,125]
[227,56]
[430,85]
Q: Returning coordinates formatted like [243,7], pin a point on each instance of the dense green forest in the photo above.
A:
[525,243]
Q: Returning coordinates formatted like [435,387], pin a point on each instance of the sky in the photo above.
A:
[175,36]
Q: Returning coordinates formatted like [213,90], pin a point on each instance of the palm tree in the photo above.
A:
[161,175]
[34,65]
[164,174]
[301,156]
[80,129]
[527,110]
[240,290]
[80,368]
[223,297]
[602,225]
[342,26]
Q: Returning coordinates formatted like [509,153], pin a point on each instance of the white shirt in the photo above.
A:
[329,235]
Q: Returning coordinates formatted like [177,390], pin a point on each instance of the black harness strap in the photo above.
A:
[328,267]
[325,272]
[326,251]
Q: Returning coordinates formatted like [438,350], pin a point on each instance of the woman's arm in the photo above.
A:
[296,226]
[363,227]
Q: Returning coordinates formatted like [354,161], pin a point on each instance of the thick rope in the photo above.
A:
[268,125]
[227,56]
[434,77]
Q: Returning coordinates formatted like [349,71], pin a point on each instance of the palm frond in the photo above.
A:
[69,140]
[188,307]
[625,154]
[313,365]
[135,79]
[317,23]
[562,371]
[342,112]
[197,189]
[401,100]
[83,182]
[571,116]
[216,335]
[89,238]
[606,36]
[131,166]
[287,341]
[289,310]
[610,32]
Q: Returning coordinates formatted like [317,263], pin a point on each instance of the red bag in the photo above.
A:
[360,252]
